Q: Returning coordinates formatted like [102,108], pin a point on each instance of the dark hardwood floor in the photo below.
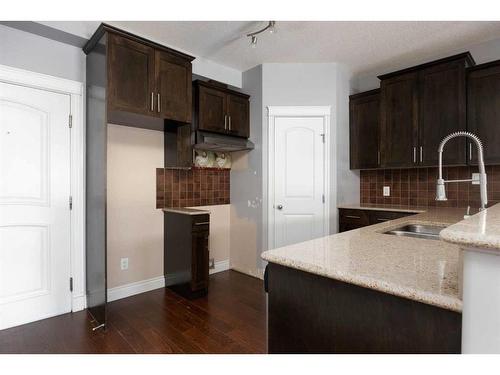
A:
[231,319]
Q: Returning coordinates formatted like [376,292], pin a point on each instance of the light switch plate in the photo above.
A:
[475,179]
[124,264]
[387,191]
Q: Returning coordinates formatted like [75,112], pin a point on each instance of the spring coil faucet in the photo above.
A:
[440,187]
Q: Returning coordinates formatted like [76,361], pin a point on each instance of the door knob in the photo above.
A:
[279,206]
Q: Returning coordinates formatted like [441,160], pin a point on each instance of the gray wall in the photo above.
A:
[483,52]
[275,84]
[23,50]
[246,186]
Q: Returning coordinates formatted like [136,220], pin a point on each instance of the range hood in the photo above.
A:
[218,142]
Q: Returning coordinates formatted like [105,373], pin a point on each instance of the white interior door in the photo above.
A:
[299,179]
[34,210]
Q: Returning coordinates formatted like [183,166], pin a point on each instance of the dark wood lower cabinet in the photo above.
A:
[186,257]
[357,218]
[308,313]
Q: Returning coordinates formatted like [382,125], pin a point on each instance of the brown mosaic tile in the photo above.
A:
[416,187]
[194,187]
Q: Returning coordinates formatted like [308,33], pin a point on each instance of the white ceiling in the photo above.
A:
[362,46]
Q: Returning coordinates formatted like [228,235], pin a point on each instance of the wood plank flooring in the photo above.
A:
[231,319]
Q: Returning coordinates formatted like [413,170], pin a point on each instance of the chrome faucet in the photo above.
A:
[440,189]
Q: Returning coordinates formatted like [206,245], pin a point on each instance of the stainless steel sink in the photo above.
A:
[430,232]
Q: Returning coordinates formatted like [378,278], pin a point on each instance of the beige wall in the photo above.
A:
[135,226]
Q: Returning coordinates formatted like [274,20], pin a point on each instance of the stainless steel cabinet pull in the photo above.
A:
[352,217]
[229,123]
[202,223]
[152,101]
[470,151]
[378,157]
[421,154]
[382,219]
[225,122]
[414,154]
[159,103]
[279,207]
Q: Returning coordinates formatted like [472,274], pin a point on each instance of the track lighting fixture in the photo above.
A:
[271,27]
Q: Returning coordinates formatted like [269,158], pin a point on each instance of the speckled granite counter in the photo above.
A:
[186,211]
[374,207]
[419,269]
[481,230]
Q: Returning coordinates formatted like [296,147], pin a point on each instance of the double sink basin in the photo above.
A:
[430,232]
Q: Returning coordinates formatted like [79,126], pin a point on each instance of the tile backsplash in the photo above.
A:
[192,187]
[417,187]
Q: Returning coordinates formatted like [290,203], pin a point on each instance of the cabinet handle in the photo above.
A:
[229,123]
[414,154]
[159,103]
[202,223]
[382,219]
[421,154]
[378,157]
[225,122]
[152,101]
[352,217]
[470,150]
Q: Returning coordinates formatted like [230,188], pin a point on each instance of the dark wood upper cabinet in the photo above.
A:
[483,110]
[399,120]
[442,112]
[364,125]
[419,107]
[146,78]
[238,109]
[220,110]
[174,94]
[212,109]
[131,76]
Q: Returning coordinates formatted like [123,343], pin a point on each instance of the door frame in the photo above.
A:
[295,111]
[75,90]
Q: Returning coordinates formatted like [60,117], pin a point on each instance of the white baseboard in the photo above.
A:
[258,274]
[143,286]
[138,287]
[220,266]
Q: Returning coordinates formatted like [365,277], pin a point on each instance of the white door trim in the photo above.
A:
[289,111]
[75,90]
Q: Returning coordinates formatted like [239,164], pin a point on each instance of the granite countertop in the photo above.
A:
[481,230]
[375,207]
[418,269]
[186,211]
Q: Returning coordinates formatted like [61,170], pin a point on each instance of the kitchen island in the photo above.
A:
[365,291]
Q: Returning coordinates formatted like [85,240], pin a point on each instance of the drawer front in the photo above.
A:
[381,216]
[201,223]
[352,219]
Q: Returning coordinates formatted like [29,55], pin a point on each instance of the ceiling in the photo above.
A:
[362,46]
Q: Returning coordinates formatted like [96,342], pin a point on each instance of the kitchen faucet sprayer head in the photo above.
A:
[440,190]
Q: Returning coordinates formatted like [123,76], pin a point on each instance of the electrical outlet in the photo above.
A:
[475,179]
[387,191]
[211,263]
[124,264]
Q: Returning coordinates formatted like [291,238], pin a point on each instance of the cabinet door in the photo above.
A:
[130,76]
[212,110]
[199,260]
[364,114]
[442,111]
[399,120]
[174,86]
[483,110]
[238,112]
